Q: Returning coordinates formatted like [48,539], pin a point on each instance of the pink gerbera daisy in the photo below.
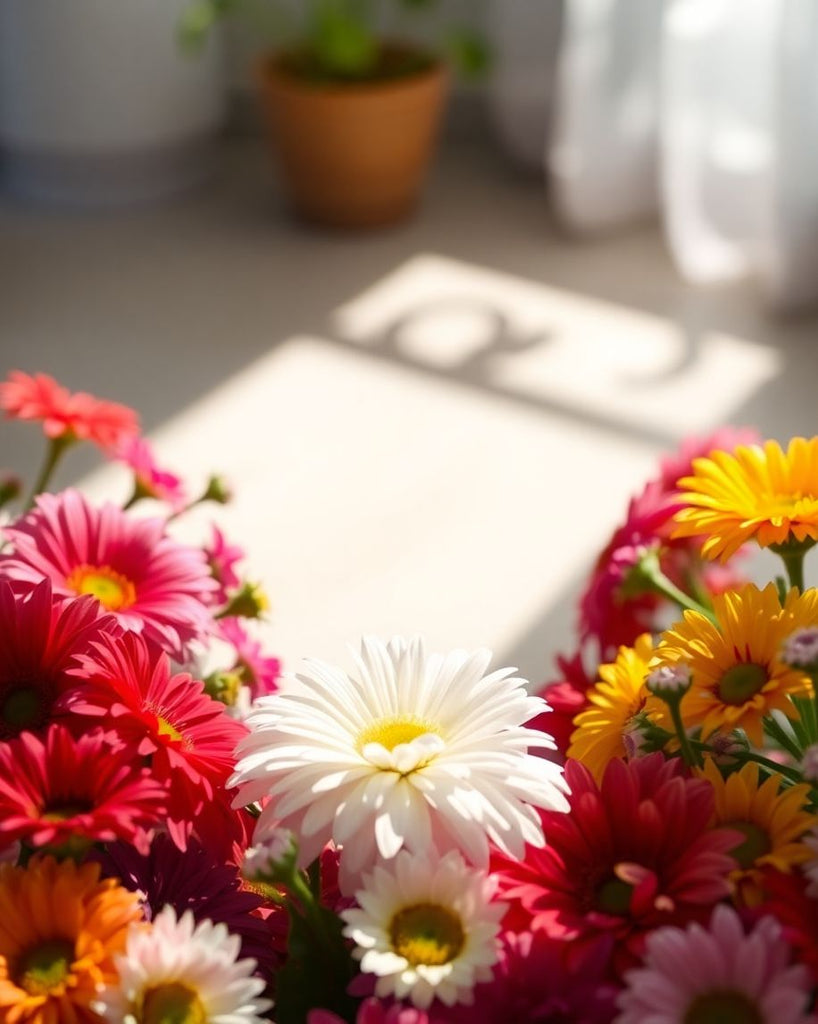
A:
[259,671]
[631,854]
[40,639]
[149,581]
[223,558]
[61,794]
[76,416]
[698,975]
[150,480]
[188,737]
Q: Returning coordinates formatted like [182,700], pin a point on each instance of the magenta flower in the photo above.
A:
[150,480]
[150,582]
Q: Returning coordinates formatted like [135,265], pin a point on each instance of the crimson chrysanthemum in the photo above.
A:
[189,738]
[40,638]
[63,793]
[150,582]
[73,416]
[631,854]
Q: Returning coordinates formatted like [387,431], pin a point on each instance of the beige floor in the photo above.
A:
[430,429]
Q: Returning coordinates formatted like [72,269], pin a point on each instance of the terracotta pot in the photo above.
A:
[353,155]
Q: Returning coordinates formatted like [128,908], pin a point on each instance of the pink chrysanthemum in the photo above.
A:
[188,737]
[150,480]
[40,639]
[76,416]
[61,794]
[631,854]
[258,671]
[223,558]
[149,581]
[698,975]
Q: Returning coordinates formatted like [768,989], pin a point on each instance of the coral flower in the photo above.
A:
[772,822]
[602,731]
[738,676]
[40,639]
[632,854]
[76,416]
[150,582]
[759,493]
[60,928]
[188,737]
[63,793]
[700,975]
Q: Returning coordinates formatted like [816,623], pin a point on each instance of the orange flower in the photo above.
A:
[60,927]
[755,493]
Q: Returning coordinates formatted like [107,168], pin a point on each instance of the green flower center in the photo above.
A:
[723,1008]
[22,709]
[390,732]
[741,682]
[614,897]
[45,967]
[172,1003]
[755,844]
[426,933]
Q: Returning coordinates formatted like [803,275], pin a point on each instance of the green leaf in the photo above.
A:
[341,42]
[469,52]
[197,19]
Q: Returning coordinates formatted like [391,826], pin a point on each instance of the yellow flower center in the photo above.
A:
[45,967]
[22,709]
[723,1008]
[172,1003]
[113,590]
[167,728]
[741,682]
[426,933]
[755,844]
[390,732]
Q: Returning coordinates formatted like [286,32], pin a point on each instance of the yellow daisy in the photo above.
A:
[60,927]
[754,493]
[738,676]
[600,733]
[771,820]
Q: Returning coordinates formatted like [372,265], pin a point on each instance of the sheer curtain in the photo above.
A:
[703,112]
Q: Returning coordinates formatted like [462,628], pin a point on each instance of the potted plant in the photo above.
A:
[353,114]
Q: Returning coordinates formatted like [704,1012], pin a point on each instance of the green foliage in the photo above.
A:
[336,40]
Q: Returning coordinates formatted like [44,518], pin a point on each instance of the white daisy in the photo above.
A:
[410,751]
[182,971]
[426,929]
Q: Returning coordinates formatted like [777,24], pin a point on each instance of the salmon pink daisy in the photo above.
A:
[63,794]
[150,582]
[76,416]
[188,737]
[632,854]
[699,975]
[41,637]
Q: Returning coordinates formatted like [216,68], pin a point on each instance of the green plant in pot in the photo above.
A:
[353,115]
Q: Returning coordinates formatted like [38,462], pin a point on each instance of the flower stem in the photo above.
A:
[689,754]
[774,766]
[56,447]
[793,560]
[658,581]
[782,737]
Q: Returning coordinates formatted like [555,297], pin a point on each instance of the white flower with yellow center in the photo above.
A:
[426,929]
[180,972]
[410,751]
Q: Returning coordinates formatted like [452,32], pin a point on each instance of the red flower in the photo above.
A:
[188,737]
[136,571]
[629,856]
[796,909]
[64,793]
[41,637]
[73,416]
[566,698]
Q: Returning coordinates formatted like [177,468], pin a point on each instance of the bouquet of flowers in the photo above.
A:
[416,839]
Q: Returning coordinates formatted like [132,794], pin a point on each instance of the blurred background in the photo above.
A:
[432,406]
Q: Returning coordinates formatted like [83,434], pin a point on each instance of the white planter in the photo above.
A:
[525,40]
[98,106]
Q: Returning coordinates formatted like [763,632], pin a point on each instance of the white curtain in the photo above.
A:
[704,112]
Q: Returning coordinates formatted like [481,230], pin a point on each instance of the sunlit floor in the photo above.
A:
[429,429]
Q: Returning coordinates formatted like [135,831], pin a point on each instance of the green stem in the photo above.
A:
[658,581]
[782,769]
[778,733]
[794,564]
[689,754]
[57,446]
